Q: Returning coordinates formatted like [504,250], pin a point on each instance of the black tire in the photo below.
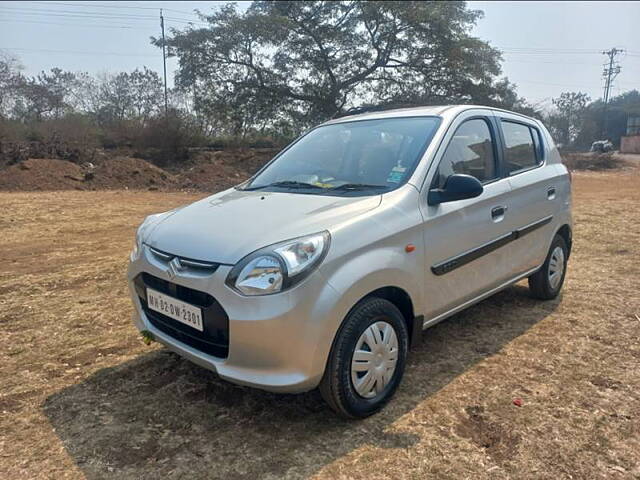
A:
[539,283]
[336,386]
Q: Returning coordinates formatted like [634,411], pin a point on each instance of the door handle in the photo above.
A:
[551,193]
[497,213]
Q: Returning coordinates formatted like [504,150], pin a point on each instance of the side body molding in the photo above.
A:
[458,261]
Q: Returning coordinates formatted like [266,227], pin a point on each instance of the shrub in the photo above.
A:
[592,161]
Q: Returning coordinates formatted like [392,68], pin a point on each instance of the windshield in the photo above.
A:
[361,157]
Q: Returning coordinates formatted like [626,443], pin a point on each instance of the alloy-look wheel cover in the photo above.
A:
[374,359]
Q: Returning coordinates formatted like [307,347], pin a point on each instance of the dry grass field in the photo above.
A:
[82,397]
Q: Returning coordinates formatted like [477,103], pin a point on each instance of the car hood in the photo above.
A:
[227,226]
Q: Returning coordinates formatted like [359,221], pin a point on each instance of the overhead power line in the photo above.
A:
[81,25]
[82,18]
[37,13]
[118,6]
[548,54]
[92,15]
[545,48]
[551,63]
[558,84]
[78,52]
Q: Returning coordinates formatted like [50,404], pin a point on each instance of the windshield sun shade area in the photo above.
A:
[362,157]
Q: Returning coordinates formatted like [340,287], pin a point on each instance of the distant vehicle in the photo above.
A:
[601,146]
[324,267]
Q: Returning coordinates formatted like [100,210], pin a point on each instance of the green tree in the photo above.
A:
[136,95]
[10,81]
[569,115]
[47,95]
[307,61]
[618,111]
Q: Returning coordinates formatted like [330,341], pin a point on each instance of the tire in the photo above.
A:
[358,329]
[541,283]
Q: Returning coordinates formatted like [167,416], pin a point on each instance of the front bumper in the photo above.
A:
[276,342]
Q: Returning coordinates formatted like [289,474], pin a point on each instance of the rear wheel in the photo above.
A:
[547,282]
[367,360]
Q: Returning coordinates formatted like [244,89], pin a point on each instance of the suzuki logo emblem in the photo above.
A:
[175,267]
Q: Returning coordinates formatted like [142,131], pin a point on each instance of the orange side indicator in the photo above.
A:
[409,248]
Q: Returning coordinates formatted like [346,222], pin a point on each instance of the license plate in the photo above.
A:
[174,308]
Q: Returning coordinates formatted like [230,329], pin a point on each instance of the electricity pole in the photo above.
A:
[164,62]
[609,74]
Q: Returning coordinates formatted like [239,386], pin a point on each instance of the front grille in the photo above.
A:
[213,340]
[183,262]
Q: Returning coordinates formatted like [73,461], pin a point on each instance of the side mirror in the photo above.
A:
[457,187]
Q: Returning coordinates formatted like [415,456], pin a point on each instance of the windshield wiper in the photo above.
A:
[358,186]
[286,184]
[303,185]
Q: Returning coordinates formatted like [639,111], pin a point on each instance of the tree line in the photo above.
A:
[265,74]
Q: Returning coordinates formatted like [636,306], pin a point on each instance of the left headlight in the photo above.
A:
[277,267]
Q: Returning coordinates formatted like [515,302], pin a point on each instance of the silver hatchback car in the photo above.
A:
[325,266]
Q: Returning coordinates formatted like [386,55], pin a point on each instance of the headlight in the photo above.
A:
[278,267]
[260,276]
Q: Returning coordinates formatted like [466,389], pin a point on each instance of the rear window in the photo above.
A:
[523,149]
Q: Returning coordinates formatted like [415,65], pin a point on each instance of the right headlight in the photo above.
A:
[277,267]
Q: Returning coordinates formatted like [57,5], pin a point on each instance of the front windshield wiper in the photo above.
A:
[286,184]
[358,186]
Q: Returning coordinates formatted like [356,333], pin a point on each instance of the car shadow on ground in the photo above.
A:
[161,416]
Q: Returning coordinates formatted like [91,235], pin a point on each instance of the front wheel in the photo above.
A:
[367,359]
[546,283]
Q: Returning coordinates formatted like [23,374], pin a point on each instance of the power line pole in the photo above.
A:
[164,62]
[609,74]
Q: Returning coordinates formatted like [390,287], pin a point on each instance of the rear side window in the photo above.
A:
[523,149]
[470,151]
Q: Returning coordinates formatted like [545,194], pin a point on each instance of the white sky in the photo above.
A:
[550,47]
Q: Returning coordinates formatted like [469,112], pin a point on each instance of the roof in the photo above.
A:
[395,112]
[436,110]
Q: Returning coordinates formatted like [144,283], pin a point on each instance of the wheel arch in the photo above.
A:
[402,300]
[565,232]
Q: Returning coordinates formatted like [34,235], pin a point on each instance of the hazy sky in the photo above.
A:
[549,47]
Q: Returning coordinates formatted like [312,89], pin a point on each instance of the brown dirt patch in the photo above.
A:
[130,173]
[213,171]
[496,439]
[83,397]
[208,171]
[42,174]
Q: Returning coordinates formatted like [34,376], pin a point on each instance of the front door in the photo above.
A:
[463,238]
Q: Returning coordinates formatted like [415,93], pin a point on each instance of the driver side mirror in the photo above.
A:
[457,187]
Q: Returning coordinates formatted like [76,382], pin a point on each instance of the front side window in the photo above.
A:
[522,149]
[359,157]
[471,152]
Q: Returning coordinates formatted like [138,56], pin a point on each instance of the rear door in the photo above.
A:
[535,191]
[463,238]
